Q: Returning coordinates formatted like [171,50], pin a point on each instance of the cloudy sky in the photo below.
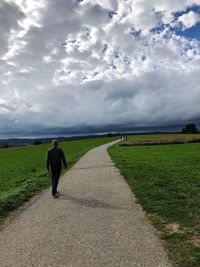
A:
[80,65]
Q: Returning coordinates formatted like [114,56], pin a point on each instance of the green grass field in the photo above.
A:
[23,170]
[166,182]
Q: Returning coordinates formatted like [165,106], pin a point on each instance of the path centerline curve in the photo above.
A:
[95,222]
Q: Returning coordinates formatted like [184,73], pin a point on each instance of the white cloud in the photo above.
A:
[92,63]
[93,15]
[31,10]
[190,19]
[10,16]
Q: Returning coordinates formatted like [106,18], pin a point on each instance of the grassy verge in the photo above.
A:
[157,139]
[166,182]
[23,170]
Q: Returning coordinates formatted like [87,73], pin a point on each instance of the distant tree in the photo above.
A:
[37,142]
[109,135]
[190,129]
[6,145]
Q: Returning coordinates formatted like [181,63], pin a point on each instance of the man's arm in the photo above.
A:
[63,159]
[48,161]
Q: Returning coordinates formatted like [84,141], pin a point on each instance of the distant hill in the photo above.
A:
[16,142]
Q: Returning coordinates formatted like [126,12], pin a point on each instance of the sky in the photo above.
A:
[80,66]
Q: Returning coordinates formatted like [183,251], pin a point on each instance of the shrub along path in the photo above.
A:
[95,222]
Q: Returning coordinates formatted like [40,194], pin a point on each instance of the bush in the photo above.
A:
[6,145]
[37,142]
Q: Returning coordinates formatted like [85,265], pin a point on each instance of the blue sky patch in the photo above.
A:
[191,33]
[194,8]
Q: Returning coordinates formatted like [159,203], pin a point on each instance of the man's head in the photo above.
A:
[55,143]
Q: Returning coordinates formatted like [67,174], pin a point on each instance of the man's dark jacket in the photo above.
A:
[55,158]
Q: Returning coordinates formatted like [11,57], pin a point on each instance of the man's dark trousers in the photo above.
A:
[55,178]
[55,159]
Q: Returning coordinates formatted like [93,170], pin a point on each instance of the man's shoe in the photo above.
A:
[56,195]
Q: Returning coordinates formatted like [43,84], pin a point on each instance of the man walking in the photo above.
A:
[55,159]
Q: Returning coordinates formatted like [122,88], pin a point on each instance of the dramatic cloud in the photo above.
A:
[92,64]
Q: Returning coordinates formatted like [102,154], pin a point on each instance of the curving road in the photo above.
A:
[95,222]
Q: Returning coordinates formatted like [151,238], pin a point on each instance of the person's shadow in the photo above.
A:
[91,203]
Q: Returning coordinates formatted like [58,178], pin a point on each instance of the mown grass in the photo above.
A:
[150,137]
[166,182]
[158,139]
[23,170]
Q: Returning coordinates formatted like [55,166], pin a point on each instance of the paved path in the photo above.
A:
[95,222]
